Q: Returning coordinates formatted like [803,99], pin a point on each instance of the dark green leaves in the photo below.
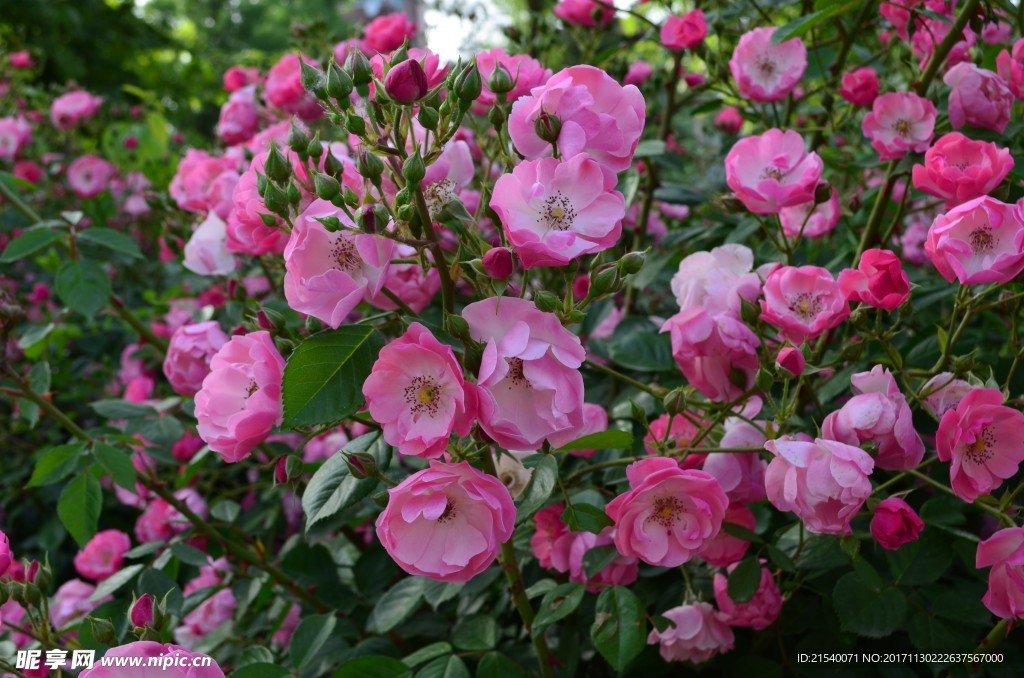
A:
[79,507]
[801,26]
[478,632]
[744,580]
[56,464]
[83,286]
[542,482]
[323,380]
[112,240]
[117,463]
[612,439]
[557,604]
[620,626]
[586,518]
[373,666]
[29,243]
[869,609]
[400,601]
[309,637]
[332,489]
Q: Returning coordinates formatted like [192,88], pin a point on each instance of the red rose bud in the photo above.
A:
[406,82]
[6,558]
[498,264]
[895,523]
[131,142]
[141,613]
[581,286]
[791,360]
[32,571]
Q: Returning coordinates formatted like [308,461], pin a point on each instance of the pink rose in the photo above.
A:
[900,122]
[997,33]
[6,557]
[530,387]
[206,252]
[555,211]
[879,280]
[894,523]
[584,13]
[943,392]
[240,400]
[247,232]
[668,514]
[716,353]
[525,71]
[406,82]
[669,435]
[387,32]
[983,439]
[89,175]
[1010,66]
[15,134]
[594,115]
[209,615]
[684,32]
[741,476]
[811,220]
[725,549]
[1004,553]
[717,280]
[283,635]
[68,110]
[620,572]
[637,73]
[204,183]
[417,393]
[698,634]
[978,98]
[446,522]
[759,612]
[21,60]
[237,77]
[103,555]
[141,614]
[26,170]
[186,447]
[189,353]
[239,117]
[161,521]
[175,661]
[823,482]
[548,530]
[980,241]
[71,602]
[860,87]
[959,169]
[497,262]
[284,90]
[929,33]
[770,171]
[791,359]
[729,120]
[765,72]
[803,302]
[409,282]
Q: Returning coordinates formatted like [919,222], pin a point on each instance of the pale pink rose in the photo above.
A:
[237,77]
[68,110]
[900,122]
[90,175]
[160,521]
[810,220]
[189,353]
[765,72]
[698,635]
[913,237]
[717,280]
[978,98]
[724,549]
[943,392]
[879,280]
[206,252]
[823,482]
[860,86]
[929,33]
[729,120]
[103,555]
[584,13]
[671,434]
[175,662]
[983,439]
[387,32]
[283,635]
[239,117]
[684,32]
[595,420]
[555,211]
[530,387]
[13,616]
[620,572]
[770,171]
[329,274]
[240,400]
[525,71]
[549,532]
[1004,553]
[417,393]
[15,134]
[959,169]
[283,87]
[894,523]
[997,33]
[759,612]
[638,73]
[980,241]
[276,135]
[803,302]
[1010,66]
[209,615]
[6,557]
[446,522]
[71,602]
[716,353]
[741,475]
[204,183]
[668,514]
[597,116]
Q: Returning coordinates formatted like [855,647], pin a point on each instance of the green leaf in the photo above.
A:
[79,507]
[497,665]
[801,26]
[111,239]
[677,194]
[56,464]
[425,654]
[639,346]
[744,580]
[445,667]
[597,559]
[310,636]
[922,561]
[373,666]
[190,554]
[114,582]
[121,409]
[117,464]
[557,604]
[620,626]
[225,510]
[866,611]
[261,670]
[323,380]
[29,243]
[392,608]
[649,147]
[780,559]
[332,489]
[586,518]
[612,439]
[542,482]
[83,286]
[39,379]
[479,632]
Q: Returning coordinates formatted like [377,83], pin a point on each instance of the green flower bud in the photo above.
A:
[326,186]
[632,262]
[102,630]
[546,301]
[468,85]
[277,168]
[413,169]
[339,83]
[501,80]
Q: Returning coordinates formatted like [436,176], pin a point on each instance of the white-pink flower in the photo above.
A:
[766,72]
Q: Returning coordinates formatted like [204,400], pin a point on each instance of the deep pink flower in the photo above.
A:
[554,211]
[21,60]
[717,280]
[387,32]
[240,400]
[530,387]
[498,263]
[668,514]
[698,634]
[791,359]
[803,302]
[759,612]
[406,82]
[205,183]
[526,73]
[237,77]
[584,13]
[725,549]
[15,134]
[637,73]
[860,86]
[179,662]
[823,482]
[189,353]
[26,170]
[668,435]
[716,353]
[980,241]
[997,33]
[283,87]
[6,557]
[68,110]
[141,612]
[103,555]
[283,635]
[620,572]
[1010,66]
[959,169]
[549,530]
[895,523]
[900,122]
[239,117]
[729,120]
[187,446]
[1004,553]
[160,521]
[90,175]
[247,232]
[983,439]
[595,420]
[446,522]
[929,33]
[766,72]
[684,32]
[978,98]
[770,171]
[879,280]
[597,116]
[811,220]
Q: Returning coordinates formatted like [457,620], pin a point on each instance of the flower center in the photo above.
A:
[515,372]
[449,512]
[982,240]
[424,394]
[439,194]
[805,305]
[666,511]
[251,388]
[980,450]
[766,66]
[773,173]
[902,127]
[557,213]
[344,255]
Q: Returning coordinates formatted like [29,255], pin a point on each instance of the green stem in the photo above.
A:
[652,389]
[19,204]
[870,232]
[140,327]
[968,10]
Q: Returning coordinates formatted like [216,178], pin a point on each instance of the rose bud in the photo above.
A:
[406,82]
[498,264]
[791,360]
[141,613]
[895,523]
